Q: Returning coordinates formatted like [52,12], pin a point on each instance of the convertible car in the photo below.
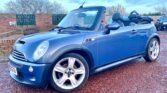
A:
[82,44]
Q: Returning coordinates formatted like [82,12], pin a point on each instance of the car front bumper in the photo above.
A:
[30,73]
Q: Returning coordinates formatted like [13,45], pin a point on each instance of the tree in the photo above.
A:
[152,14]
[162,10]
[119,8]
[33,7]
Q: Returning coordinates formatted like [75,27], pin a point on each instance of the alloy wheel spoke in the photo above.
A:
[59,68]
[73,81]
[62,80]
[80,70]
[71,62]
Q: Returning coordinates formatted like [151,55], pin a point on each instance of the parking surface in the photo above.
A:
[134,77]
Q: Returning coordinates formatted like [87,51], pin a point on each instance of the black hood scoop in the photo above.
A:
[68,32]
[21,42]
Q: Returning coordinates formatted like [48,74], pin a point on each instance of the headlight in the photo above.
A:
[41,50]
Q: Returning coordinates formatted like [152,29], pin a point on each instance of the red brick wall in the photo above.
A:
[6,46]
[44,21]
[4,22]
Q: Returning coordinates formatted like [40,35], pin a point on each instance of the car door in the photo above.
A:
[117,45]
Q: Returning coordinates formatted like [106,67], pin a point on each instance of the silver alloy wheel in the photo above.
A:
[68,73]
[154,49]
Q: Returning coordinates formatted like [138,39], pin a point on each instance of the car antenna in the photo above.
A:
[82,4]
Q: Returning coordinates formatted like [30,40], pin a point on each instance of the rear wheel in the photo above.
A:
[69,73]
[153,50]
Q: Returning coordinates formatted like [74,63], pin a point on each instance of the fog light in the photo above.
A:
[30,69]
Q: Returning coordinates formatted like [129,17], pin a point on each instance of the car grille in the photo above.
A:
[18,55]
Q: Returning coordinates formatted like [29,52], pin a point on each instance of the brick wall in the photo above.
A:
[7,43]
[6,46]
[44,21]
[4,22]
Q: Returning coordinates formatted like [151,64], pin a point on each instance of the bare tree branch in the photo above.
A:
[34,7]
[119,8]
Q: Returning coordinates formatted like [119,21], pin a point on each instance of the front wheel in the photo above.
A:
[69,73]
[153,50]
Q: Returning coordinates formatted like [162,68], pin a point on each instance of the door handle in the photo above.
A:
[134,31]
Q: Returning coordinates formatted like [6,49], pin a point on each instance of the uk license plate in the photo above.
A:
[13,69]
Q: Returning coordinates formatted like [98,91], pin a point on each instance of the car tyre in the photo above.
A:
[69,73]
[153,50]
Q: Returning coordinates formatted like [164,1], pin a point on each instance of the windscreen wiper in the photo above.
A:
[70,27]
[74,27]
[57,27]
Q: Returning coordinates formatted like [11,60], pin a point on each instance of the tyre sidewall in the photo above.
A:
[149,58]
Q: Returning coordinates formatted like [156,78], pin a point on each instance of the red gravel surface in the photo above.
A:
[134,77]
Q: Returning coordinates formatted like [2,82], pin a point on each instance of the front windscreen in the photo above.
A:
[82,19]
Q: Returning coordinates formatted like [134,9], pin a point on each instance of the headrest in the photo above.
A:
[117,17]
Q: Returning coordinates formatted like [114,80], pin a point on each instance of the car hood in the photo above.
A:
[39,37]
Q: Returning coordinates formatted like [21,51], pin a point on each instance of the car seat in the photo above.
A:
[134,17]
[118,19]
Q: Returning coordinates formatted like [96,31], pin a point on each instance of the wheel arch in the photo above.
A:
[153,36]
[73,49]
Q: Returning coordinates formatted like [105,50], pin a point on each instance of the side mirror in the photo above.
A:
[113,26]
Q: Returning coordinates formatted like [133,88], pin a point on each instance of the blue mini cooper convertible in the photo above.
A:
[82,44]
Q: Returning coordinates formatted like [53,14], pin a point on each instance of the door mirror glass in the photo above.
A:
[113,26]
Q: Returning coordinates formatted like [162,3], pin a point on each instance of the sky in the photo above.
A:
[142,6]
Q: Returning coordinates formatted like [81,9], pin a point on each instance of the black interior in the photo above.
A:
[118,18]
[133,18]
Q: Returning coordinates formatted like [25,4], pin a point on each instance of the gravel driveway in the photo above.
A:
[134,77]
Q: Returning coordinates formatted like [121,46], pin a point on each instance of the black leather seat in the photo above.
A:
[118,19]
[138,19]
[135,17]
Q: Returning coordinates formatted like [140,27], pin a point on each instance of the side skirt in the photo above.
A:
[115,64]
